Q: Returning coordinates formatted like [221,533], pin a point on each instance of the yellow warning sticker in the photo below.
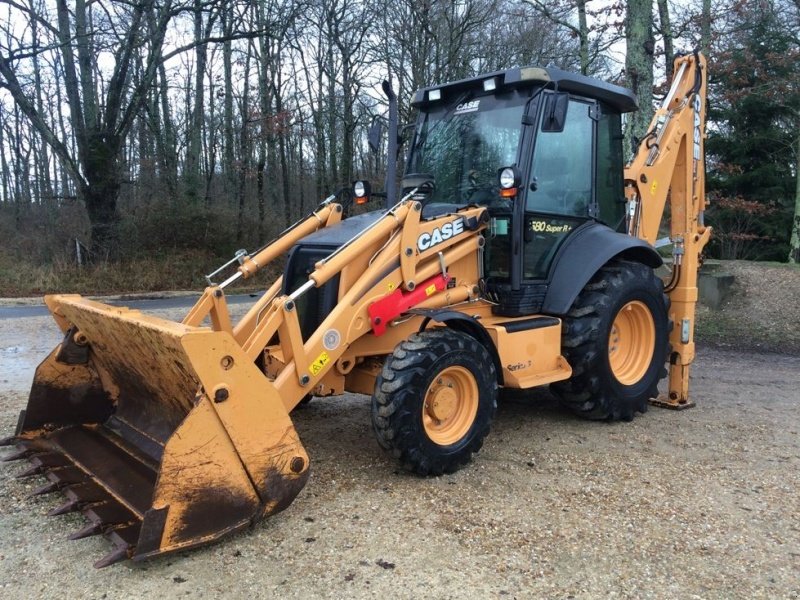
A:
[317,365]
[430,290]
[654,187]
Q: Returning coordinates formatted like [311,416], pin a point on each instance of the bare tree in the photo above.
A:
[639,64]
[100,128]
[103,101]
[665,28]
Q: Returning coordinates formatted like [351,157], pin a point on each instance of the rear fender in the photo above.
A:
[583,253]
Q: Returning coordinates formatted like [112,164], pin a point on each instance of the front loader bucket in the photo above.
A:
[165,436]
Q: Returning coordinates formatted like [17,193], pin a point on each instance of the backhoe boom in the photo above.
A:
[669,170]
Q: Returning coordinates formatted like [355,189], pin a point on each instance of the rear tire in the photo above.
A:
[616,339]
[434,401]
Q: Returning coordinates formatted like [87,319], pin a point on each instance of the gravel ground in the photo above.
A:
[696,504]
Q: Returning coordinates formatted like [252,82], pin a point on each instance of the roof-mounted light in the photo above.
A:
[490,85]
[434,95]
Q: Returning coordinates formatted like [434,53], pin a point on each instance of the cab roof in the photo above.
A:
[620,98]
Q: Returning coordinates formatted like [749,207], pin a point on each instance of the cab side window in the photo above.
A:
[562,166]
[610,193]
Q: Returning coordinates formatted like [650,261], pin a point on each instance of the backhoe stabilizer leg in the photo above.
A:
[677,398]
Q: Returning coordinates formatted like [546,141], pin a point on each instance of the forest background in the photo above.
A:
[142,142]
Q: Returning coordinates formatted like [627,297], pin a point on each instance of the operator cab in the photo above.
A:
[560,133]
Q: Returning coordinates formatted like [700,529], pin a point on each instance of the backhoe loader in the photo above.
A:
[518,251]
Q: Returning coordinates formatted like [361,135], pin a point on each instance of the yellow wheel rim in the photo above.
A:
[631,342]
[450,406]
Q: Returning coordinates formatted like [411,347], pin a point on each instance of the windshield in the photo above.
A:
[464,147]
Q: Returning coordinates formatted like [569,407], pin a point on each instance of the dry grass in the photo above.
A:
[762,313]
[181,270]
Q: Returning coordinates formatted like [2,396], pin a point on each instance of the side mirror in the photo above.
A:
[555,112]
[361,190]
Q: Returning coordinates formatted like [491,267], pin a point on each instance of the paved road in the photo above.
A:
[148,304]
[28,333]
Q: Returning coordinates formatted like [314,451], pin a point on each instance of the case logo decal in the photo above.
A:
[439,235]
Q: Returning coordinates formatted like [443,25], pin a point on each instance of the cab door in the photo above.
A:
[560,193]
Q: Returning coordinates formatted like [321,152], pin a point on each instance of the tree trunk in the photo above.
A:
[264,99]
[348,122]
[794,244]
[639,65]
[282,133]
[333,133]
[244,152]
[210,146]
[100,197]
[227,103]
[166,141]
[194,143]
[5,178]
[705,28]
[583,29]
[666,33]
[43,182]
[66,182]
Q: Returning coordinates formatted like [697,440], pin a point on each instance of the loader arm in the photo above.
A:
[400,276]
[669,169]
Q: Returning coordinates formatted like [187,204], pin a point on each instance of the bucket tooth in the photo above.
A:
[67,507]
[48,488]
[88,531]
[31,471]
[114,556]
[8,441]
[126,536]
[110,513]
[86,492]
[50,460]
[66,475]
[19,454]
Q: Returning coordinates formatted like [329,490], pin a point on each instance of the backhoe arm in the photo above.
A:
[669,167]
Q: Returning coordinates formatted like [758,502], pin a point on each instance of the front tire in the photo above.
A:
[434,401]
[616,339]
